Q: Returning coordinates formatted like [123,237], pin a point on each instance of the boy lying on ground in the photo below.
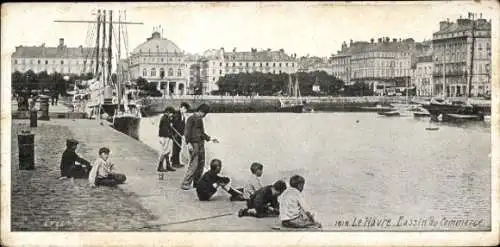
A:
[264,203]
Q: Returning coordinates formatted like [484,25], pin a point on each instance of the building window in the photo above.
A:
[280,65]
[179,72]
[286,64]
[153,72]
[15,61]
[267,64]
[260,64]
[220,72]
[213,78]
[241,64]
[234,64]
[274,64]
[162,60]
[62,62]
[220,64]
[39,61]
[144,72]
[170,72]
[162,72]
[227,64]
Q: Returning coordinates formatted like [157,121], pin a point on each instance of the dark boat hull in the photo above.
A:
[293,109]
[128,125]
[461,118]
[438,109]
[389,114]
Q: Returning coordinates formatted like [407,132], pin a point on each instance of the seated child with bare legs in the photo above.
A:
[294,212]
[254,183]
[72,165]
[103,171]
[264,203]
[210,181]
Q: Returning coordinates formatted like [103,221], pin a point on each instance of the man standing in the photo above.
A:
[179,123]
[166,133]
[195,138]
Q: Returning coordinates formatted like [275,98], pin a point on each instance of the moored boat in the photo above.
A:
[389,113]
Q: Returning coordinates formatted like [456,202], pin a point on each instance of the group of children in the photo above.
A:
[262,201]
[100,172]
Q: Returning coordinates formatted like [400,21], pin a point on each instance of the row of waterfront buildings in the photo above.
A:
[457,59]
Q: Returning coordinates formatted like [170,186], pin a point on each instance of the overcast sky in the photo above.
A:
[317,29]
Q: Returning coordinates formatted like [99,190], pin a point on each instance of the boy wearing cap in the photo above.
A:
[69,160]
[166,134]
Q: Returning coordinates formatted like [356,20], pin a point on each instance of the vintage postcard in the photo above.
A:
[250,123]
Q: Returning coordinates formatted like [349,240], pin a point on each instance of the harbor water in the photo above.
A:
[361,165]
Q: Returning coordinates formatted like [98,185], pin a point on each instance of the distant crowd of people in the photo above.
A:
[183,135]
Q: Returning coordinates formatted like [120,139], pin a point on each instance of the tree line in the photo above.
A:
[54,82]
[267,84]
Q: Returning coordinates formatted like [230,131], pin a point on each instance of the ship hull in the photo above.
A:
[292,109]
[128,125]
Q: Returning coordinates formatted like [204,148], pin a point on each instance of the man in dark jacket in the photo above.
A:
[195,138]
[179,123]
[69,168]
[165,133]
[264,203]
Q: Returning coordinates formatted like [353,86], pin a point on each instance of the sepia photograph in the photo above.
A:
[250,123]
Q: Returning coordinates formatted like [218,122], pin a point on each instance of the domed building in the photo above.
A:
[160,60]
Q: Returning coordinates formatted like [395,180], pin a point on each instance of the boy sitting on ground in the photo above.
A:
[210,181]
[102,172]
[254,182]
[264,203]
[72,165]
[294,212]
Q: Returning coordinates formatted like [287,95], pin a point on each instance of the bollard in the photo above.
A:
[44,107]
[33,118]
[26,142]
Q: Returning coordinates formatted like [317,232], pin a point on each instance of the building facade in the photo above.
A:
[218,63]
[162,61]
[422,76]
[341,64]
[60,59]
[462,57]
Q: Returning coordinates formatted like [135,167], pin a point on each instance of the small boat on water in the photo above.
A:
[461,117]
[389,113]
[291,103]
[421,114]
[432,128]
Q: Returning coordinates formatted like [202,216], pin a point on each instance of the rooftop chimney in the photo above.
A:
[61,42]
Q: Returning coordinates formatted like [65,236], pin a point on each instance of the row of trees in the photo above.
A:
[278,84]
[54,82]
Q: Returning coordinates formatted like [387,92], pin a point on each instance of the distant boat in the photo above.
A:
[389,113]
[461,117]
[432,128]
[292,103]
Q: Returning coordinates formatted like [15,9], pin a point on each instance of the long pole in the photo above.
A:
[119,69]
[444,70]
[103,46]
[469,85]
[110,54]
[97,43]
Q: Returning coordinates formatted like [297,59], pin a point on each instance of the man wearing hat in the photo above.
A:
[69,160]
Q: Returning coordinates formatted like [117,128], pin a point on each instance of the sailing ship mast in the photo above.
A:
[469,84]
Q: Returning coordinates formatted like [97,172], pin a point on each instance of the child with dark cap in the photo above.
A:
[72,165]
[210,181]
[264,203]
[103,172]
